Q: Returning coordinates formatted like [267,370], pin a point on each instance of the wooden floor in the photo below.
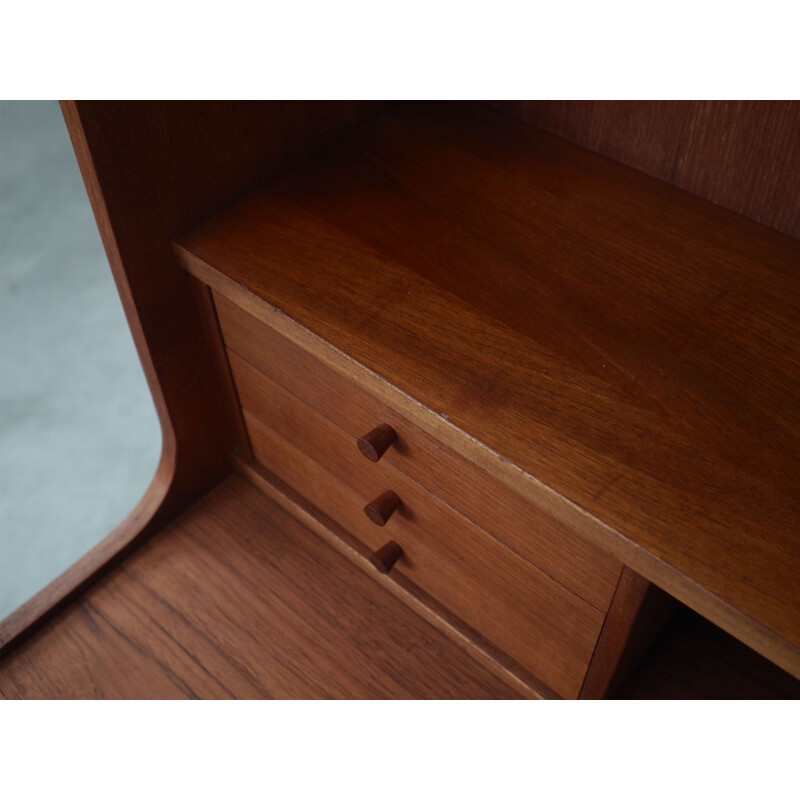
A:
[238,600]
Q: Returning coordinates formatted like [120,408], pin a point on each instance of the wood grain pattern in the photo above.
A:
[743,155]
[380,510]
[373,444]
[344,543]
[384,558]
[319,438]
[237,433]
[519,609]
[637,614]
[624,354]
[237,599]
[478,495]
[152,170]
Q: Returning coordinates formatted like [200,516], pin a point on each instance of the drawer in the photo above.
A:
[512,603]
[535,535]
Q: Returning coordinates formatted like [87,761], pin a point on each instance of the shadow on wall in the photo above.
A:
[79,436]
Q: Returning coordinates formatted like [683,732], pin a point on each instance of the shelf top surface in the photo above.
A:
[632,347]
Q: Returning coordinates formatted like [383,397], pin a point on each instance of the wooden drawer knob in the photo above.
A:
[375,443]
[384,559]
[381,508]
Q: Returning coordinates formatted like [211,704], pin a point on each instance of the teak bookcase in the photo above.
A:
[510,393]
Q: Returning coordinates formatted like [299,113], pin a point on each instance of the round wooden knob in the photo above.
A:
[381,508]
[384,559]
[375,443]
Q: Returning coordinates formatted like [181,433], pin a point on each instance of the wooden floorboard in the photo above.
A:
[238,600]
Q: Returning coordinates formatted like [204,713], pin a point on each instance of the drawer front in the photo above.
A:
[512,603]
[545,542]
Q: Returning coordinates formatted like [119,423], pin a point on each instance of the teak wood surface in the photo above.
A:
[236,599]
[214,152]
[152,170]
[742,154]
[637,614]
[349,546]
[514,604]
[255,349]
[620,352]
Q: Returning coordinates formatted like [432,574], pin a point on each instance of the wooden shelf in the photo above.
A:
[620,352]
[237,599]
[693,660]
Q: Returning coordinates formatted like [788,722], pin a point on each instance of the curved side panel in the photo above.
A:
[153,169]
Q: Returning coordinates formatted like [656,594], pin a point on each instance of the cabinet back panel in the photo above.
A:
[744,155]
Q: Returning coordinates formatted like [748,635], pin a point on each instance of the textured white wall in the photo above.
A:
[79,437]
